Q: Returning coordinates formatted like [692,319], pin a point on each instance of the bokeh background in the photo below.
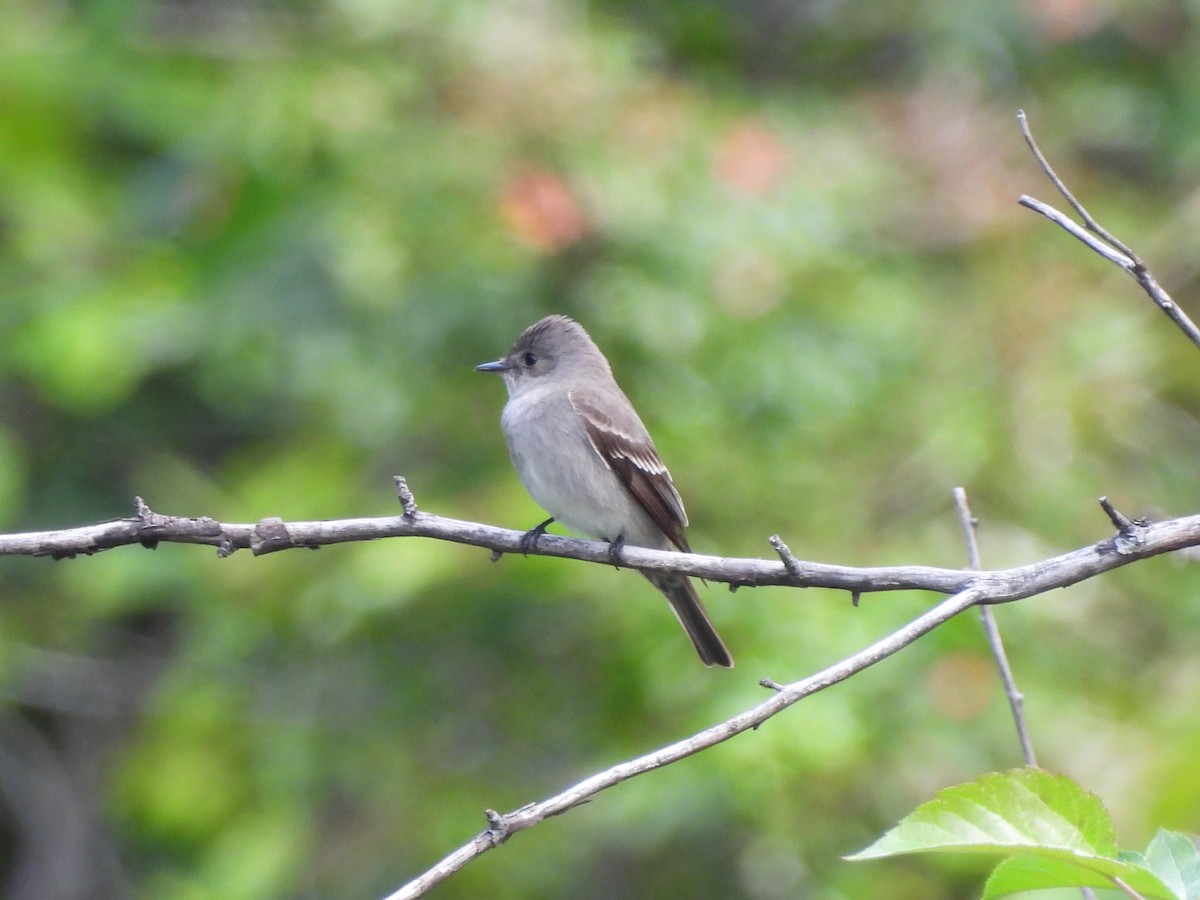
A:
[250,252]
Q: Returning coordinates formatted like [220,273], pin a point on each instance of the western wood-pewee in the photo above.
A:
[584,455]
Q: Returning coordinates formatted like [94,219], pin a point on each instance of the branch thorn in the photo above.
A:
[405,495]
[785,555]
[1120,521]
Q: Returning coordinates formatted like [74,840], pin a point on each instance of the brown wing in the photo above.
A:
[627,449]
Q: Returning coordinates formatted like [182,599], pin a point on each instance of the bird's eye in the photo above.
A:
[530,359]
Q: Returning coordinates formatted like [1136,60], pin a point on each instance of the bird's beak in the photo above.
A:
[498,365]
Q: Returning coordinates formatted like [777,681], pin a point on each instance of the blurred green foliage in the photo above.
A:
[250,253]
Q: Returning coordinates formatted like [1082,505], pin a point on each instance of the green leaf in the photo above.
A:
[1063,833]
[1173,857]
[1030,872]
[1000,812]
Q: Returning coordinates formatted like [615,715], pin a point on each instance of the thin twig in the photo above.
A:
[1069,225]
[1101,240]
[1121,885]
[1089,222]
[1016,700]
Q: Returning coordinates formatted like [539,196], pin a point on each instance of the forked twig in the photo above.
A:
[1100,239]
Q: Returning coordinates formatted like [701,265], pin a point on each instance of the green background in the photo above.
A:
[249,255]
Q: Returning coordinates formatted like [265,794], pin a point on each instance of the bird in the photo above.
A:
[584,455]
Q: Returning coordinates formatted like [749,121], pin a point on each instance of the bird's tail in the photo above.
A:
[692,616]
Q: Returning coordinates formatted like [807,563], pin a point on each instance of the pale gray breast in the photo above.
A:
[561,470]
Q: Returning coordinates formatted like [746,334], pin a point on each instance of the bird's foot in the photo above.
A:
[530,538]
[616,549]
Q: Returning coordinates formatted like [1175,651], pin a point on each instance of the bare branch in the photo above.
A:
[1016,700]
[978,588]
[1101,240]
[500,828]
[1134,540]
[150,529]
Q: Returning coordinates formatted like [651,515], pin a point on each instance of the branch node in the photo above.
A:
[407,501]
[1131,533]
[270,535]
[496,554]
[149,521]
[771,684]
[147,518]
[225,548]
[855,597]
[497,830]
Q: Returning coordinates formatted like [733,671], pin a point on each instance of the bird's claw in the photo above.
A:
[530,538]
[616,549]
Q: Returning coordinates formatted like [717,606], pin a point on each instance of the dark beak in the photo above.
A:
[497,366]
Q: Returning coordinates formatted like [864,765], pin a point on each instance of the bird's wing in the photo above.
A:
[626,447]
